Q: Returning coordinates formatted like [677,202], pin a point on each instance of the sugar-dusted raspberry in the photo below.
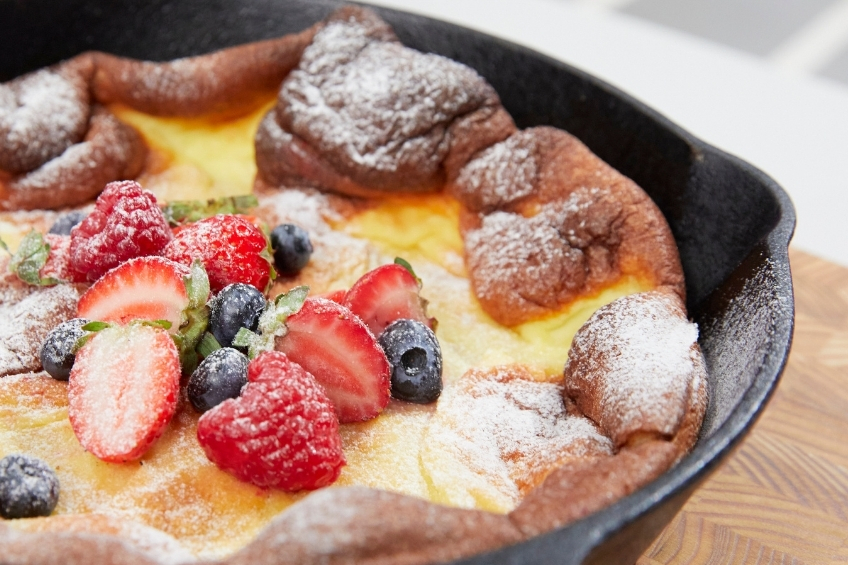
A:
[281,432]
[232,249]
[126,223]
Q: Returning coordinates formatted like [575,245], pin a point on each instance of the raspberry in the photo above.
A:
[231,248]
[281,432]
[125,223]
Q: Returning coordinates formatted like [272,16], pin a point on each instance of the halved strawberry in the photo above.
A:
[337,296]
[123,390]
[333,344]
[145,288]
[386,294]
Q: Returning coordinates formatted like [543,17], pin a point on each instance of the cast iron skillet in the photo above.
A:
[732,223]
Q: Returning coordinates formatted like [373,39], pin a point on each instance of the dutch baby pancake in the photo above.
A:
[546,285]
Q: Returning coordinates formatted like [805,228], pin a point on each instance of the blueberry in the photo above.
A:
[237,306]
[28,487]
[57,352]
[220,376]
[66,222]
[292,248]
[416,360]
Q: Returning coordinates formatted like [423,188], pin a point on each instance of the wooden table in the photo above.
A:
[782,498]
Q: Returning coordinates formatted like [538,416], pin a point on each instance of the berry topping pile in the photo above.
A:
[272,380]
[281,432]
[126,222]
[28,487]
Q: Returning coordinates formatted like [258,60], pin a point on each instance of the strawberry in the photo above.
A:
[330,342]
[126,222]
[337,296]
[41,260]
[231,248]
[145,288]
[58,261]
[122,391]
[386,294]
[281,432]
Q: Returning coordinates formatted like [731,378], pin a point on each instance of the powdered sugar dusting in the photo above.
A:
[110,150]
[27,314]
[631,366]
[501,175]
[497,433]
[521,260]
[524,267]
[41,115]
[736,342]
[155,543]
[338,259]
[376,103]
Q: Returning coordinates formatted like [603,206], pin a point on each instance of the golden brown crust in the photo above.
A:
[42,114]
[27,313]
[216,82]
[363,115]
[610,365]
[635,368]
[366,526]
[69,548]
[503,430]
[546,221]
[575,491]
[110,150]
[59,147]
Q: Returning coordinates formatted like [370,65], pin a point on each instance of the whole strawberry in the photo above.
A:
[126,222]
[281,432]
[232,249]
[58,261]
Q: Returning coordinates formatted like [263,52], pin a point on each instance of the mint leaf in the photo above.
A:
[186,211]
[30,257]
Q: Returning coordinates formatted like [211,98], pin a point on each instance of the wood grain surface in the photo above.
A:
[782,498]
